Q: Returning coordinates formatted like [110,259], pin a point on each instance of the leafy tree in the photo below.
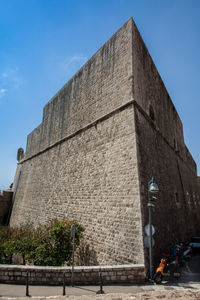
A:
[22,241]
[5,239]
[47,245]
[55,243]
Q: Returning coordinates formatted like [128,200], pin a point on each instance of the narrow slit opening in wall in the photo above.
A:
[175,144]
[151,113]
[176,198]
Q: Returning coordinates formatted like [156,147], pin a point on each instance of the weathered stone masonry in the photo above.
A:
[103,136]
[82,275]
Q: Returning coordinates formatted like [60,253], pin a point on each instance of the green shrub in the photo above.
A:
[5,240]
[55,243]
[48,245]
[22,241]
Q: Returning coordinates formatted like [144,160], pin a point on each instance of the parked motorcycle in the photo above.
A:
[186,251]
[183,252]
[168,267]
[171,262]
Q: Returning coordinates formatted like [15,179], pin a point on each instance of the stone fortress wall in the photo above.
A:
[162,153]
[103,136]
[81,162]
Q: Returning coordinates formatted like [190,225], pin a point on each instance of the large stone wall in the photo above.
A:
[103,84]
[103,136]
[176,213]
[162,153]
[151,95]
[86,168]
[92,178]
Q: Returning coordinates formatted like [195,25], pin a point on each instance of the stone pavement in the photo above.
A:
[189,281]
[8,290]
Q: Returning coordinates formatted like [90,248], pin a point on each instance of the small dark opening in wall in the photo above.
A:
[174,144]
[151,112]
[176,198]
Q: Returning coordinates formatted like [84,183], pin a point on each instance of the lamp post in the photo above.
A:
[152,189]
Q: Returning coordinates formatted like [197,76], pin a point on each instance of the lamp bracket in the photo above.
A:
[151,205]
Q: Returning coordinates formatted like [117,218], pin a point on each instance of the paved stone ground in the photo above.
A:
[187,287]
[184,294]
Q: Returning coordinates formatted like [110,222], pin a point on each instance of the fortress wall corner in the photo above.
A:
[150,93]
[162,153]
[103,136]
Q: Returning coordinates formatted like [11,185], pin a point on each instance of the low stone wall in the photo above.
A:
[82,275]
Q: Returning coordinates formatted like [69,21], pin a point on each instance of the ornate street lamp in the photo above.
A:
[152,189]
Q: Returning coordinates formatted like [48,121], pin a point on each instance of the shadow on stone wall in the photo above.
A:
[5,205]
[85,255]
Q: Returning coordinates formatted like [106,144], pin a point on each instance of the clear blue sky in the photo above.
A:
[44,42]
